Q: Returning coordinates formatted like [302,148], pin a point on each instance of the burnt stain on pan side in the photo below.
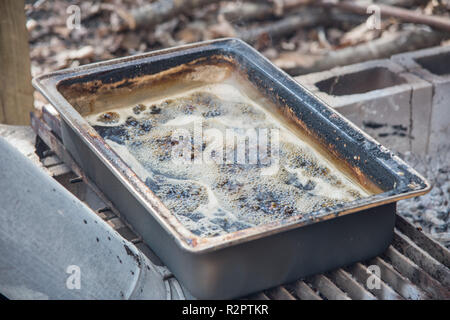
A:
[132,77]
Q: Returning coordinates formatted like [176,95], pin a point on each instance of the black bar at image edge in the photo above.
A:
[242,309]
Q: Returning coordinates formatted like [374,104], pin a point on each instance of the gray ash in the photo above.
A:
[431,212]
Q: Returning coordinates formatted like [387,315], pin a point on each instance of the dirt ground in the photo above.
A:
[103,32]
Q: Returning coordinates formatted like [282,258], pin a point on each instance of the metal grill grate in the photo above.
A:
[413,267]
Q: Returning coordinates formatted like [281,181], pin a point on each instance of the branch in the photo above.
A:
[383,47]
[160,11]
[404,15]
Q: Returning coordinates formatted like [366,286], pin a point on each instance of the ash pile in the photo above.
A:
[431,212]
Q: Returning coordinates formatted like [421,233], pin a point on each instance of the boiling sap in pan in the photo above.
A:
[221,162]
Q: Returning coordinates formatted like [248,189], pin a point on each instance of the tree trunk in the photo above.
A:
[16,92]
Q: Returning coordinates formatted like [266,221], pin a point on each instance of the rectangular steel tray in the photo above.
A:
[257,258]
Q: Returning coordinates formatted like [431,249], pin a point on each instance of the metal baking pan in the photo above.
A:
[245,261]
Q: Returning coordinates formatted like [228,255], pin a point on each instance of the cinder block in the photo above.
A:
[433,65]
[378,96]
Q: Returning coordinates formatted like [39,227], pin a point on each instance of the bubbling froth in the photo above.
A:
[212,198]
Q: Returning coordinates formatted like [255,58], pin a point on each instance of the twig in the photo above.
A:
[403,3]
[302,19]
[248,11]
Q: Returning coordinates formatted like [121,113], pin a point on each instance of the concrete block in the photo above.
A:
[433,65]
[378,96]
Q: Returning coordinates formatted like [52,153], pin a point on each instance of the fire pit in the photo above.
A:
[261,253]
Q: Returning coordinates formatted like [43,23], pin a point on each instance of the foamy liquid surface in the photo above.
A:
[211,198]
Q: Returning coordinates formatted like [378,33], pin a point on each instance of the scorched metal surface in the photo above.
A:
[253,259]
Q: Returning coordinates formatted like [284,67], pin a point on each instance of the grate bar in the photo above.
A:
[353,288]
[106,215]
[51,161]
[280,293]
[258,296]
[398,282]
[52,120]
[361,273]
[435,249]
[327,288]
[417,276]
[303,291]
[118,225]
[421,258]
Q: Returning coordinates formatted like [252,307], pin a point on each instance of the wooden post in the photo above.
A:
[16,92]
